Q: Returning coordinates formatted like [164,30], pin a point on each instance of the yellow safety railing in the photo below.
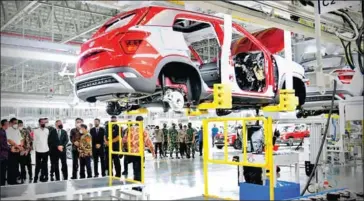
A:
[129,125]
[268,140]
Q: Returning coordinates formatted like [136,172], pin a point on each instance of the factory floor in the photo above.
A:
[183,178]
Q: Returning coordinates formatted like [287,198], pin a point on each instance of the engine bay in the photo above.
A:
[249,70]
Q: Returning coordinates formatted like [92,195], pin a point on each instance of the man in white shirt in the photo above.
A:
[41,148]
[15,141]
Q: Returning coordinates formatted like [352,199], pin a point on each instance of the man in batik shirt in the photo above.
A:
[25,158]
[134,145]
[85,151]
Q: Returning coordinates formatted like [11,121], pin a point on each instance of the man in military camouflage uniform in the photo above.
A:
[165,140]
[173,140]
[190,141]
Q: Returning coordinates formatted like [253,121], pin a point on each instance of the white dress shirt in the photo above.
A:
[14,134]
[41,140]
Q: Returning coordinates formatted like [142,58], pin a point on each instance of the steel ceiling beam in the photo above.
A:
[260,18]
[19,14]
[76,9]
[21,42]
[84,31]
[24,81]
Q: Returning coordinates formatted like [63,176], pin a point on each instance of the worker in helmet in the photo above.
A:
[173,140]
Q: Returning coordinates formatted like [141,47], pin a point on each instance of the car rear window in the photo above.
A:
[120,22]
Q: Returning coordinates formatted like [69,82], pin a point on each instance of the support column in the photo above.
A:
[288,56]
[320,78]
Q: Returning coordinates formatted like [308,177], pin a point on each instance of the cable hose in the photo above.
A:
[322,141]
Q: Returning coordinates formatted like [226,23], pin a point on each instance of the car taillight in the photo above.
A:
[131,41]
[345,75]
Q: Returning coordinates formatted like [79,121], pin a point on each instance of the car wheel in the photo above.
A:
[237,145]
[219,147]
[113,108]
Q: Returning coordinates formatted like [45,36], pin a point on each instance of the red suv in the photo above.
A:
[157,55]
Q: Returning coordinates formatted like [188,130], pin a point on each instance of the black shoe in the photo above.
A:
[35,181]
[52,179]
[171,157]
[193,156]
[73,178]
[177,157]
[96,176]
[137,189]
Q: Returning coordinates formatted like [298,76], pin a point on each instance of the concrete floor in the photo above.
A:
[183,178]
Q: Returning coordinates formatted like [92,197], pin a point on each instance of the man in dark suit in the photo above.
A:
[57,142]
[98,147]
[115,138]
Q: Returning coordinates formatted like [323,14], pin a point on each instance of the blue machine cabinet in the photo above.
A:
[283,190]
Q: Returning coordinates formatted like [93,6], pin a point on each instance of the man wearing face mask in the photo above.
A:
[173,140]
[15,140]
[57,142]
[98,147]
[41,148]
[85,152]
[135,142]
[191,136]
[75,140]
[115,147]
[50,128]
[25,158]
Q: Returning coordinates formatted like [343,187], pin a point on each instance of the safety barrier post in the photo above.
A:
[130,128]
[268,163]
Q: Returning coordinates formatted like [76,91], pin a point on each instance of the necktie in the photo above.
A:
[97,131]
[59,134]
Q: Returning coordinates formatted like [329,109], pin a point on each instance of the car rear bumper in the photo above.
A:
[221,142]
[106,84]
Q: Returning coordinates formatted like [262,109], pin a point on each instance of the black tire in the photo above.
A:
[113,108]
[238,145]
[223,112]
[219,146]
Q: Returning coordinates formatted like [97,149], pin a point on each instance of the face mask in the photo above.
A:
[60,126]
[42,125]
[20,127]
[15,126]
[81,131]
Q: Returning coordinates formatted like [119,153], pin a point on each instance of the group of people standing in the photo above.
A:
[16,144]
[179,140]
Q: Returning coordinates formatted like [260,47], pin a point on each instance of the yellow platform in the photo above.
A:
[287,102]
